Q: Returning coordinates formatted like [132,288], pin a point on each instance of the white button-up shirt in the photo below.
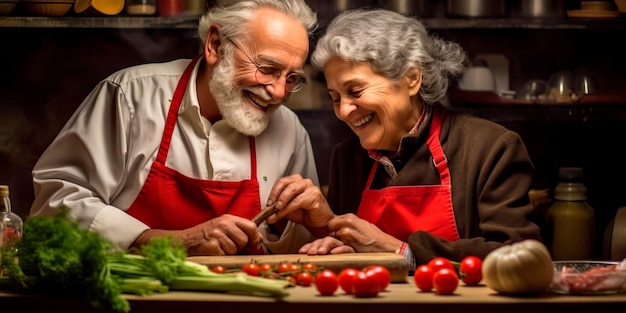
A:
[99,161]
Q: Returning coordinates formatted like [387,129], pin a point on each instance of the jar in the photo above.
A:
[141,7]
[571,220]
[170,8]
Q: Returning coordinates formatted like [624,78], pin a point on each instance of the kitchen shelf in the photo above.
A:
[594,107]
[189,22]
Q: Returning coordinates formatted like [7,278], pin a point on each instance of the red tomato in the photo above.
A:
[345,279]
[326,282]
[471,270]
[251,269]
[304,278]
[365,285]
[381,274]
[311,267]
[445,281]
[292,279]
[424,277]
[218,269]
[295,267]
[440,262]
[266,268]
[283,267]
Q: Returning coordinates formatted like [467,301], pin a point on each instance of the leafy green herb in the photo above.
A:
[57,257]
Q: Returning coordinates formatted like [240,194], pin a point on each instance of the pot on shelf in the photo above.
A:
[476,8]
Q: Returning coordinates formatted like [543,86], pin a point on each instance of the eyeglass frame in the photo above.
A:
[274,72]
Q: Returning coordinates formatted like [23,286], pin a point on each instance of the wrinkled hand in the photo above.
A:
[223,235]
[326,245]
[300,201]
[362,235]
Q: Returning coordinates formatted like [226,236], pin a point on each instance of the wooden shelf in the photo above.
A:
[187,22]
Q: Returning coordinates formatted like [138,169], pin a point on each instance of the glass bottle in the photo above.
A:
[571,220]
[13,223]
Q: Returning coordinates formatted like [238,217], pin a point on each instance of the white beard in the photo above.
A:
[230,102]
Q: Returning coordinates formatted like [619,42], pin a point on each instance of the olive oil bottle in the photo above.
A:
[570,219]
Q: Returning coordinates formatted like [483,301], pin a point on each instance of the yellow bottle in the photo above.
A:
[571,220]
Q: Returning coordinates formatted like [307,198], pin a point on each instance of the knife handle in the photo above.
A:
[265,213]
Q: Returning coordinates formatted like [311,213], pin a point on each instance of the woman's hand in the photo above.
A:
[326,245]
[362,235]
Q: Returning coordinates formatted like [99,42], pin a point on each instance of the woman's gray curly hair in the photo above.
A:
[234,16]
[392,44]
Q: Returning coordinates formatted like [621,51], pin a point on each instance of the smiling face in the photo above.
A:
[275,40]
[377,110]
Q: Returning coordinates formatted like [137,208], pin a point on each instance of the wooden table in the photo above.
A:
[399,297]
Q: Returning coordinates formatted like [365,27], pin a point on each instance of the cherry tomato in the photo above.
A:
[423,277]
[251,269]
[311,267]
[345,279]
[365,284]
[471,270]
[304,278]
[295,267]
[440,262]
[283,267]
[326,282]
[381,274]
[445,281]
[292,279]
[265,268]
[218,269]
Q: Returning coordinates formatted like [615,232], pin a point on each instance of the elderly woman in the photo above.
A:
[416,179]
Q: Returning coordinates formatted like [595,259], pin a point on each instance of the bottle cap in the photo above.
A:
[571,173]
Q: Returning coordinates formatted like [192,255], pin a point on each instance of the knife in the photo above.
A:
[265,213]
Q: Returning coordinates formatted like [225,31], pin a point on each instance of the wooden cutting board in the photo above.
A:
[395,263]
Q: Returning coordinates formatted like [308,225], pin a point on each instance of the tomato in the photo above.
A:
[251,269]
[365,284]
[291,279]
[295,267]
[304,278]
[440,262]
[423,277]
[266,268]
[311,267]
[284,267]
[326,282]
[445,281]
[471,270]
[381,274]
[345,279]
[218,269]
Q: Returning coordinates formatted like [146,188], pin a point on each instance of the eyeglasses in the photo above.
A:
[267,74]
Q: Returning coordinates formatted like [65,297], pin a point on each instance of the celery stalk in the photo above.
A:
[236,282]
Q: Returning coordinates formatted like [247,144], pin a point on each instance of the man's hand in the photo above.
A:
[300,201]
[223,235]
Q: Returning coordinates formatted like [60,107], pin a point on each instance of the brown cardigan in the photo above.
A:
[491,174]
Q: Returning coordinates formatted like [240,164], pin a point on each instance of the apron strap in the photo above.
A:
[173,112]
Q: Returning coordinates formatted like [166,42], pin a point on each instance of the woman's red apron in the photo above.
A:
[170,200]
[402,210]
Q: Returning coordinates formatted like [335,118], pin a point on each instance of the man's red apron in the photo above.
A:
[402,210]
[170,200]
